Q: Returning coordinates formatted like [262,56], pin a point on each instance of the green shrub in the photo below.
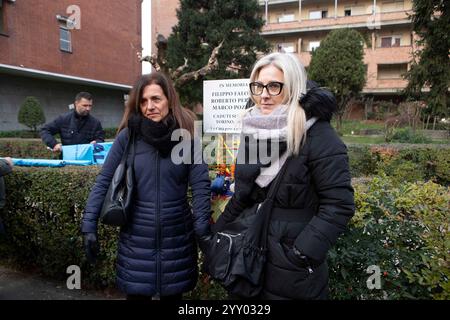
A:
[26,149]
[24,134]
[401,228]
[404,231]
[362,161]
[406,135]
[31,113]
[43,216]
[402,162]
[110,133]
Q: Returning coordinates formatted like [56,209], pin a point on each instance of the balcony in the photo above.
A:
[358,21]
[373,58]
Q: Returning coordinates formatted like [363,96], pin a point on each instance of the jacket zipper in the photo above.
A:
[158,231]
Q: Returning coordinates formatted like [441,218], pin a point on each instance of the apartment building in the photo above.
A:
[299,26]
[54,49]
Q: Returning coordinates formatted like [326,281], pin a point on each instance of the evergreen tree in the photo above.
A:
[31,113]
[202,26]
[430,66]
[338,65]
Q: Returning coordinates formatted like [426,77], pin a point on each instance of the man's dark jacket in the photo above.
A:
[73,130]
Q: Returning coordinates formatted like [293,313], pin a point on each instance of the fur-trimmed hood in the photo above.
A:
[318,102]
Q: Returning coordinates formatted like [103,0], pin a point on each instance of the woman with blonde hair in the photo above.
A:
[291,125]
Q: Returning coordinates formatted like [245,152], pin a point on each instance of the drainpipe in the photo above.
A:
[335,9]
[267,11]
[300,10]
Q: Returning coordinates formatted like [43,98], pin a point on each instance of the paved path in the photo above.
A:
[15,285]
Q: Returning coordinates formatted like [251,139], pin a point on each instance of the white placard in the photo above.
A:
[223,105]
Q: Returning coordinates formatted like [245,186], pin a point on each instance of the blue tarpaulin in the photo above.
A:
[96,153]
[74,155]
[49,163]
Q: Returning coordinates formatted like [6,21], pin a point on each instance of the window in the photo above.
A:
[286,47]
[65,43]
[324,14]
[392,71]
[314,45]
[315,14]
[286,17]
[388,42]
[392,5]
[347,12]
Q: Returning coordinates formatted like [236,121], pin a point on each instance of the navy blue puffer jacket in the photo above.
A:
[157,252]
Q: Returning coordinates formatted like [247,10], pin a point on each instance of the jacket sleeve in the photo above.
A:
[330,174]
[233,208]
[99,135]
[201,194]
[4,168]
[97,195]
[49,130]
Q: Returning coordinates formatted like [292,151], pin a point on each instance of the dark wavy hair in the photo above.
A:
[184,117]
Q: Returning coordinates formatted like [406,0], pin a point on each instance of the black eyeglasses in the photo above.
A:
[273,88]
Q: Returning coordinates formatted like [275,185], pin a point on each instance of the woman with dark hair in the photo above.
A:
[157,254]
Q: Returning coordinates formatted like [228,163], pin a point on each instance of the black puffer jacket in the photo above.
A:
[313,206]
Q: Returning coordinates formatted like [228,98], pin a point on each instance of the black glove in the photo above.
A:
[299,259]
[91,246]
[204,242]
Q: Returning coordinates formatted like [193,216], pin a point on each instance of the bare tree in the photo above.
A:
[159,63]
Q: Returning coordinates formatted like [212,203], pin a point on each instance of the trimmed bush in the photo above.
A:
[26,149]
[43,216]
[31,113]
[406,135]
[24,134]
[403,229]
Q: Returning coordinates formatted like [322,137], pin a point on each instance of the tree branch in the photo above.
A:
[212,64]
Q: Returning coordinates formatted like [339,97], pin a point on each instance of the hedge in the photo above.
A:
[405,161]
[402,228]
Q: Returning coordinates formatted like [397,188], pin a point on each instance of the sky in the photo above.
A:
[146,33]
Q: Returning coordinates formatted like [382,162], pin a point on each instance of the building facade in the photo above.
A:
[55,49]
[298,26]
[164,17]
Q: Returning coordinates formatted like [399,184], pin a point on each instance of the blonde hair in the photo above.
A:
[294,87]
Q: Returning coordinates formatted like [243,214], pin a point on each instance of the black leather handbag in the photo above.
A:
[236,255]
[118,200]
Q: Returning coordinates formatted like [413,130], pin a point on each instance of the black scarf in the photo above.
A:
[157,134]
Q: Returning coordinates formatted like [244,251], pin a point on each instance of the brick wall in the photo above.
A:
[103,49]
[163,18]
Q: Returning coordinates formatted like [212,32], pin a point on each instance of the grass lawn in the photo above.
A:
[363,139]
[355,125]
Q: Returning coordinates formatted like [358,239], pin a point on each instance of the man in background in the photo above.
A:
[74,127]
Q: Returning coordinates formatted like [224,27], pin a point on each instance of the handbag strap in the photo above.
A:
[128,147]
